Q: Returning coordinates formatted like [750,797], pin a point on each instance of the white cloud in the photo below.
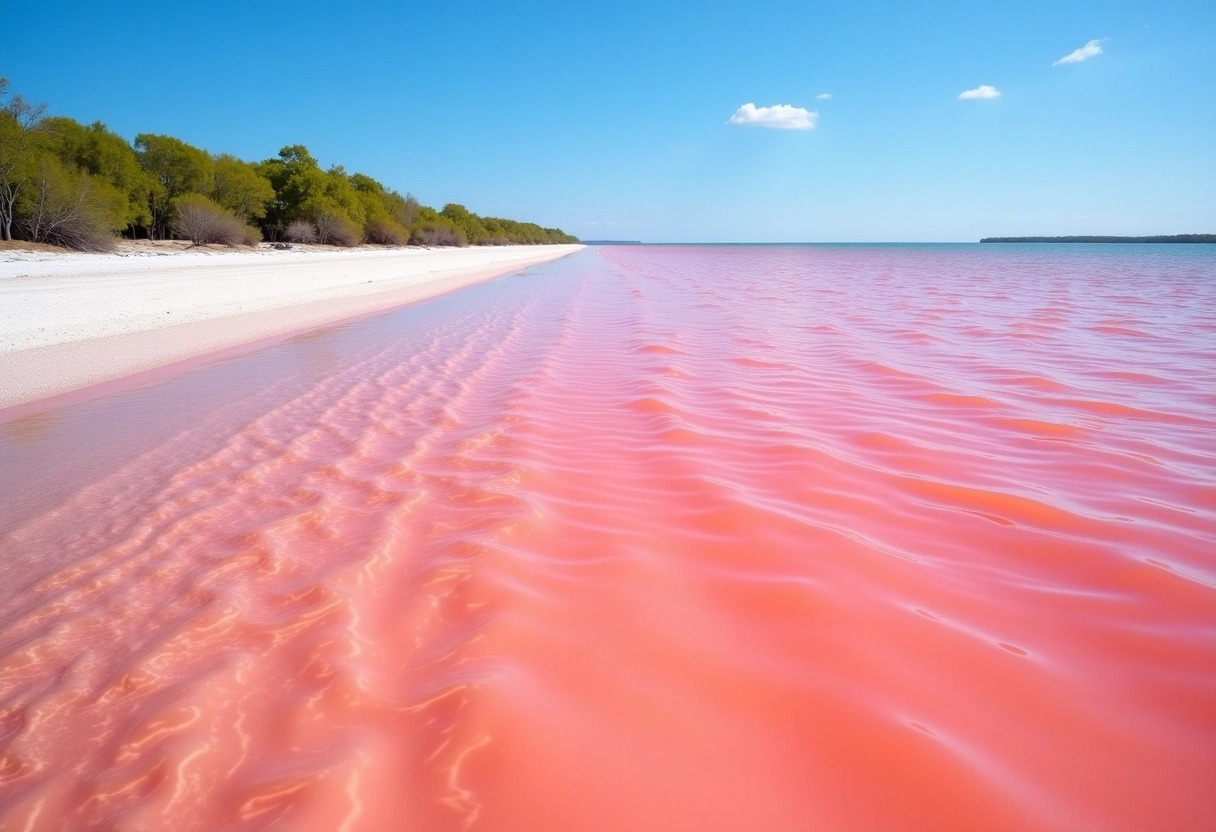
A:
[779,116]
[982,91]
[824,96]
[1089,50]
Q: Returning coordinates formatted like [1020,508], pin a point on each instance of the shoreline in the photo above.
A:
[76,321]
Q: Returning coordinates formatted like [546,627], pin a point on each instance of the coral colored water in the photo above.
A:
[659,538]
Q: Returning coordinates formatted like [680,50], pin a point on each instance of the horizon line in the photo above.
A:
[1028,237]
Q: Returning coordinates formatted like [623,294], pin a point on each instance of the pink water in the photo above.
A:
[661,538]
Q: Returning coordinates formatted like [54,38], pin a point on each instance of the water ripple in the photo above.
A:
[654,538]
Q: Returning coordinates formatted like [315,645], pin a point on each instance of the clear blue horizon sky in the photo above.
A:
[612,121]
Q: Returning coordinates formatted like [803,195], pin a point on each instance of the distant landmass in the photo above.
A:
[1172,238]
[611,242]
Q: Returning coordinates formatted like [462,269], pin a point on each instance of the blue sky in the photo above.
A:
[612,119]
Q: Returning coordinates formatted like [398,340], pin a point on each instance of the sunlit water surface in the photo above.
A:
[654,538]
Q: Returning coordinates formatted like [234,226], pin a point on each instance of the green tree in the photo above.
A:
[99,152]
[239,188]
[174,168]
[388,216]
[339,197]
[379,225]
[468,222]
[371,195]
[297,180]
[19,121]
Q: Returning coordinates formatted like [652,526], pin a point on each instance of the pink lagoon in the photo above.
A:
[819,537]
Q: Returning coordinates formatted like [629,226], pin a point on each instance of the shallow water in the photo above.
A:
[659,538]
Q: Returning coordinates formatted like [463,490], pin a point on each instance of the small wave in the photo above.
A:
[894,527]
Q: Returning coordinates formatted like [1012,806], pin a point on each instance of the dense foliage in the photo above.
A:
[65,183]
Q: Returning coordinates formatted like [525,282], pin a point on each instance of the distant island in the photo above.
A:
[1172,238]
[612,242]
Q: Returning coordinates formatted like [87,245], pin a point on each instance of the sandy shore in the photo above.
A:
[68,321]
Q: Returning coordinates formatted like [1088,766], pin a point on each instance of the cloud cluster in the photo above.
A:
[982,91]
[789,117]
[779,117]
[1089,50]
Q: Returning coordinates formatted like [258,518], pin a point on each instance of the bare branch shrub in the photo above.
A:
[386,233]
[253,235]
[438,235]
[301,231]
[403,209]
[201,221]
[62,209]
[335,230]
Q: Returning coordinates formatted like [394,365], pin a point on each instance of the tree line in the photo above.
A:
[81,186]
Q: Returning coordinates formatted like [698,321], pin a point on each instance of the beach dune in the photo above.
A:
[70,321]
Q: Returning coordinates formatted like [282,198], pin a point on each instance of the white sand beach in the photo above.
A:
[68,321]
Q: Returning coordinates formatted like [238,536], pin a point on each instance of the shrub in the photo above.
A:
[386,233]
[301,231]
[437,235]
[336,230]
[68,209]
[201,221]
[253,235]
